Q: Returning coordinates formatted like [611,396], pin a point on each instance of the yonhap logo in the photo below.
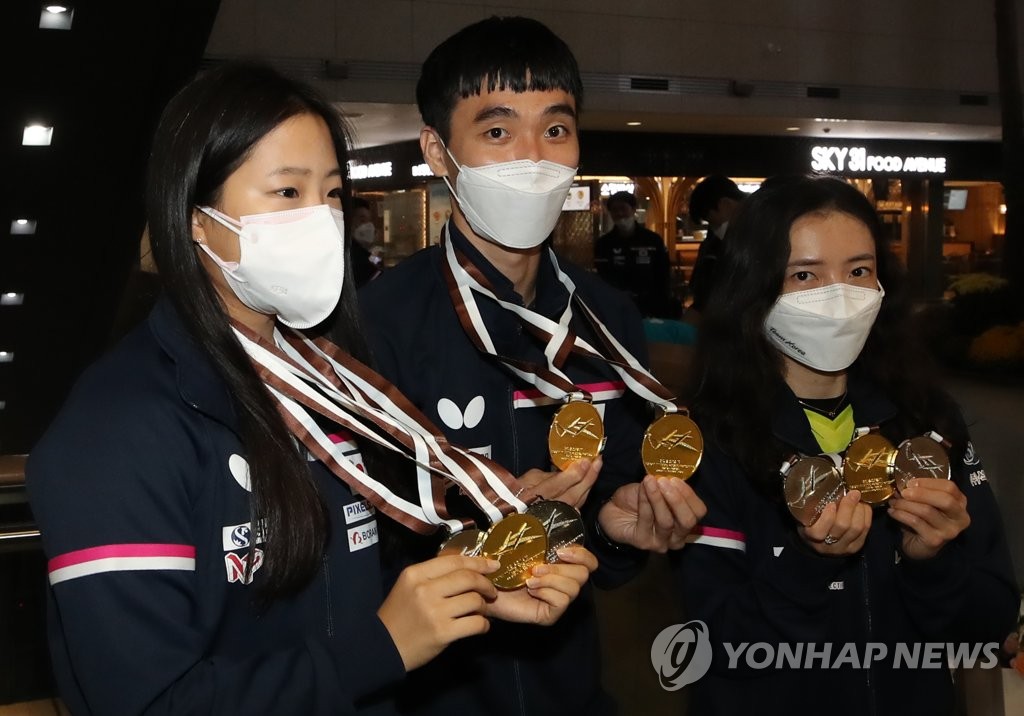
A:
[681,654]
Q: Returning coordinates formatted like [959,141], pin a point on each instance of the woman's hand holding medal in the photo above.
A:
[932,512]
[656,514]
[549,591]
[435,603]
[571,485]
[841,529]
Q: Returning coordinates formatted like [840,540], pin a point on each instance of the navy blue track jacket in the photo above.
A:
[420,346]
[752,580]
[139,487]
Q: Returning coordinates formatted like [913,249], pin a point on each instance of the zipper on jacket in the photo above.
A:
[327,597]
[510,395]
[867,619]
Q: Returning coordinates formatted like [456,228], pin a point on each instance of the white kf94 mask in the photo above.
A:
[824,328]
[515,204]
[291,263]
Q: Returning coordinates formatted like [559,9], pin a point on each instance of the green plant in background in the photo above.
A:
[981,301]
[998,346]
[969,283]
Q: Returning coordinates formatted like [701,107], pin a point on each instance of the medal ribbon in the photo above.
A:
[358,399]
[464,279]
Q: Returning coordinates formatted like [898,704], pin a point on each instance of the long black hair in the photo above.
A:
[206,132]
[740,373]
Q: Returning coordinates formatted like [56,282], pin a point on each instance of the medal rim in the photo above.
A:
[840,487]
[463,533]
[552,556]
[561,464]
[901,477]
[644,446]
[510,583]
[869,495]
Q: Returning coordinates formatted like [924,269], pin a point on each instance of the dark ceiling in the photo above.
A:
[101,85]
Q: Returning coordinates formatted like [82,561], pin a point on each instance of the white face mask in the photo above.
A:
[824,328]
[365,235]
[291,263]
[515,204]
[626,224]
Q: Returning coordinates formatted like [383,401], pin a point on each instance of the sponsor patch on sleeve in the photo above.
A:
[362,536]
[358,511]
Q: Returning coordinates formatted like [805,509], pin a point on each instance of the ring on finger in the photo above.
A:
[830,540]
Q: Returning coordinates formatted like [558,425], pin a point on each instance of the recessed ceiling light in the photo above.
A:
[6,356]
[11,299]
[37,135]
[633,124]
[56,17]
[933,134]
[23,226]
[792,129]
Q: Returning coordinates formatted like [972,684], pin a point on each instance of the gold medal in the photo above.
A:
[868,468]
[520,543]
[672,446]
[467,543]
[576,433]
[920,457]
[562,523]
[810,485]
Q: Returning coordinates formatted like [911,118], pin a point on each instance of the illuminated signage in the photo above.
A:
[611,187]
[857,159]
[380,170]
[422,170]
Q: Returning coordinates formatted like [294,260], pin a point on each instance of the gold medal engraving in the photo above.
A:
[561,521]
[519,542]
[920,457]
[467,542]
[672,446]
[810,485]
[576,433]
[868,468]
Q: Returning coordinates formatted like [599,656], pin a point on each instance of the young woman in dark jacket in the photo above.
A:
[805,345]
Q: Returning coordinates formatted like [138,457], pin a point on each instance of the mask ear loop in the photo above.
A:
[229,266]
[221,219]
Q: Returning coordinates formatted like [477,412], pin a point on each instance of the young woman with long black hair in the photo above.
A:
[201,558]
[805,345]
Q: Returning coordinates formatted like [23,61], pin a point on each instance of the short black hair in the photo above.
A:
[626,197]
[359,202]
[712,189]
[508,53]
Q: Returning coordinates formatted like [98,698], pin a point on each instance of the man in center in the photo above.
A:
[500,102]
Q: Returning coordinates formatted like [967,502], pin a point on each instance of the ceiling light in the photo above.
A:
[11,299]
[830,119]
[6,356]
[792,129]
[23,226]
[3,404]
[37,135]
[56,17]
[633,124]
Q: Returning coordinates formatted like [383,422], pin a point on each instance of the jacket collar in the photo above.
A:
[790,425]
[551,295]
[199,383]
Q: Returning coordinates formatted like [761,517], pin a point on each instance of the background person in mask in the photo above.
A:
[364,250]
[633,258]
[714,200]
[500,100]
[799,346]
[199,560]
